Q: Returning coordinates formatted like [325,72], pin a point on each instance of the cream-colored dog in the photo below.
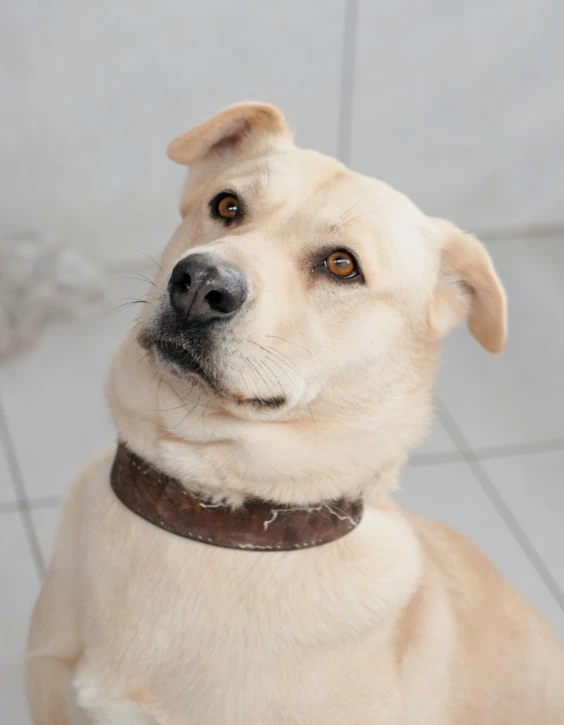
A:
[312,384]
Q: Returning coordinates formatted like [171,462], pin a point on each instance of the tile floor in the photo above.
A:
[492,466]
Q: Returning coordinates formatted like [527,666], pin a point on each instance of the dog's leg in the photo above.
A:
[57,694]
[100,707]
[52,650]
[54,641]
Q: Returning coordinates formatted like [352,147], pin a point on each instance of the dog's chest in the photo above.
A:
[215,635]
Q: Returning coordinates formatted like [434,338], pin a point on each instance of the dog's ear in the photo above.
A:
[468,288]
[233,130]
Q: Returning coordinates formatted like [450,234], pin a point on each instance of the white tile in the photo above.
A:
[20,587]
[533,488]
[516,397]
[7,490]
[46,524]
[54,396]
[97,154]
[450,493]
[460,106]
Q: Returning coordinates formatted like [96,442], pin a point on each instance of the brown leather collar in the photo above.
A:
[254,526]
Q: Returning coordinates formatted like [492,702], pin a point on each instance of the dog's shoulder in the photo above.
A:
[78,500]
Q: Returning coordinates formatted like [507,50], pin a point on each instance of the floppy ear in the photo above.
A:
[468,287]
[234,129]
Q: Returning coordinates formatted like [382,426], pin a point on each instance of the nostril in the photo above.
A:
[202,289]
[217,301]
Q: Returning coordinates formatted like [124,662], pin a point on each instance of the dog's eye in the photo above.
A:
[341,264]
[225,206]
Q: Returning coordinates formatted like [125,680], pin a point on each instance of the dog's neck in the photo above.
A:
[303,461]
[254,526]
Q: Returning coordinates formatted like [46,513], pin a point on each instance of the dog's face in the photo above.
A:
[295,285]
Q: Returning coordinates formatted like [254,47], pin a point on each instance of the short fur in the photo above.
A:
[401,622]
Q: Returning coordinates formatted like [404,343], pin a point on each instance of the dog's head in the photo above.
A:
[299,293]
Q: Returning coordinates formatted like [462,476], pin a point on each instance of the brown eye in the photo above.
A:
[228,207]
[225,206]
[341,264]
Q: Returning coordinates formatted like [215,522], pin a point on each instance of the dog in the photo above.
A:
[284,363]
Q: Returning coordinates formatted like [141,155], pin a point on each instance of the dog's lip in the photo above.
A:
[180,355]
[175,352]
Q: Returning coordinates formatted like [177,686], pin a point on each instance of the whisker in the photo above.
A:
[149,257]
[273,373]
[143,358]
[268,352]
[157,372]
[275,337]
[140,278]
[201,416]
[127,304]
[252,369]
[278,352]
[271,385]
[245,384]
[177,407]
[158,391]
[350,221]
[274,362]
[314,423]
[130,326]
[192,409]
[362,198]
[264,380]
[290,366]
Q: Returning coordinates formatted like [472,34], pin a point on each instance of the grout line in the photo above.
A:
[45,502]
[9,507]
[33,504]
[496,499]
[344,128]
[434,459]
[418,461]
[533,231]
[502,451]
[21,497]
[519,449]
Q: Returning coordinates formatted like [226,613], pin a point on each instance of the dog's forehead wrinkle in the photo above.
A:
[287,182]
[257,184]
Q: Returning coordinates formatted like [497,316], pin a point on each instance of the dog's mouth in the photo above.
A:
[179,360]
[182,359]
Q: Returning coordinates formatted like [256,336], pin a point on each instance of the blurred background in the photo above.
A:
[459,105]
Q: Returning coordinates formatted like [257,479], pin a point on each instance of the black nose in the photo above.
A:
[203,289]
